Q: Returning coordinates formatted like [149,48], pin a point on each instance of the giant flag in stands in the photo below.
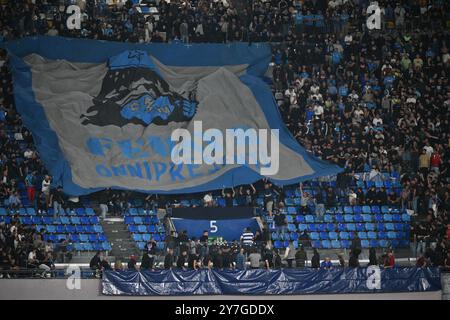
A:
[102,113]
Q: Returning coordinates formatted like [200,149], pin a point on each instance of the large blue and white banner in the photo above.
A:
[274,282]
[105,114]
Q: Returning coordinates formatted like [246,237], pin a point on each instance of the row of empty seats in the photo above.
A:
[343,235]
[340,244]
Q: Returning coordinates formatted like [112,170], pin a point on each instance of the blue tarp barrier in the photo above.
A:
[272,282]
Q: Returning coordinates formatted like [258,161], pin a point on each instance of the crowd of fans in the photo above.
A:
[369,100]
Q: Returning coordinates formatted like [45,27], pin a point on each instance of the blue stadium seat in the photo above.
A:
[275,236]
[371,235]
[89,229]
[98,228]
[328,218]
[358,218]
[133,211]
[331,227]
[80,228]
[357,209]
[382,235]
[51,229]
[362,235]
[70,228]
[326,244]
[137,220]
[93,220]
[316,244]
[133,228]
[157,237]
[376,209]
[406,217]
[23,212]
[137,237]
[390,226]
[350,227]
[365,243]
[339,218]
[278,244]
[379,217]
[93,238]
[300,218]
[345,244]
[341,227]
[339,210]
[84,237]
[75,220]
[3,211]
[366,209]
[387,217]
[344,235]
[348,217]
[392,235]
[142,228]
[65,220]
[101,237]
[97,246]
[89,211]
[85,220]
[141,245]
[294,236]
[367,217]
[292,210]
[370,226]
[31,211]
[314,236]
[60,229]
[78,246]
[290,219]
[385,209]
[36,220]
[348,209]
[321,227]
[333,235]
[291,227]
[79,211]
[74,237]
[309,218]
[396,217]
[381,226]
[312,227]
[400,226]
[88,246]
[128,220]
[374,243]
[323,235]
[360,227]
[336,244]
[151,229]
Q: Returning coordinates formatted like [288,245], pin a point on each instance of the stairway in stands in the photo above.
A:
[119,237]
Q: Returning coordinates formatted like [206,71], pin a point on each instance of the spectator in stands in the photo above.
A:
[229,197]
[30,183]
[389,261]
[104,264]
[341,260]
[118,265]
[208,200]
[373,261]
[57,200]
[240,260]
[315,260]
[95,263]
[249,195]
[132,263]
[327,264]
[268,196]
[254,257]
[353,261]
[280,221]
[182,260]
[289,254]
[45,189]
[169,259]
[247,238]
[149,253]
[355,246]
[14,201]
[300,257]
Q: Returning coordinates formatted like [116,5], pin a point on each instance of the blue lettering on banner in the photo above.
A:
[103,171]
[176,173]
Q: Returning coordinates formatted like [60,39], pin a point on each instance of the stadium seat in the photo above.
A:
[331,227]
[336,244]
[151,229]
[93,220]
[392,235]
[406,217]
[375,209]
[93,238]
[365,243]
[341,227]
[345,244]
[278,244]
[294,236]
[344,235]
[275,236]
[291,227]
[358,218]
[362,235]
[348,210]
[60,229]
[292,210]
[333,235]
[399,226]
[137,237]
[85,220]
[382,235]
[366,209]
[357,209]
[374,243]
[89,211]
[314,236]
[379,217]
[350,227]
[367,217]
[98,228]
[390,226]
[317,244]
[142,229]
[309,218]
[300,218]
[84,237]
[302,227]
[326,244]
[387,217]
[328,218]
[312,227]
[371,235]
[370,227]
[75,220]
[128,220]
[323,235]
[339,218]
[63,220]
[348,217]
[3,211]
[360,227]
[137,220]
[101,237]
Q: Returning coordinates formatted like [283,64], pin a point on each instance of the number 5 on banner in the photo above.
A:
[212,225]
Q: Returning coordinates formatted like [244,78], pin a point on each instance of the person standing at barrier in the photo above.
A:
[300,257]
[150,252]
[169,259]
[57,200]
[315,260]
[254,257]
[247,239]
[289,254]
[30,183]
[240,260]
[182,260]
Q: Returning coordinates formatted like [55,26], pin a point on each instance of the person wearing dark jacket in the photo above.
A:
[315,261]
[373,261]
[168,260]
[300,257]
[95,263]
[132,263]
[356,245]
[182,259]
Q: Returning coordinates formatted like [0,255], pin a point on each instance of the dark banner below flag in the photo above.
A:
[271,282]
